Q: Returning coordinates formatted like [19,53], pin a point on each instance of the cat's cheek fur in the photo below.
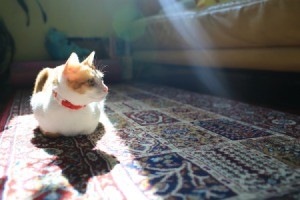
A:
[96,94]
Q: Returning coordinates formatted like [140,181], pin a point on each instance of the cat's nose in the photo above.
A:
[105,89]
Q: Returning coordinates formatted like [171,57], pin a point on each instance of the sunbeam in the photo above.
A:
[193,36]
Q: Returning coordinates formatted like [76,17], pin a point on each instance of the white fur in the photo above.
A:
[55,118]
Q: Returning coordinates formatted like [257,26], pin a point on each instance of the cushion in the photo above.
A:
[153,7]
[236,24]
[202,4]
[178,6]
[148,8]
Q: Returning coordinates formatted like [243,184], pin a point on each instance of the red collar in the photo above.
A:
[66,103]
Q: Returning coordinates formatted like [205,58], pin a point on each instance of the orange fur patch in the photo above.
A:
[79,80]
[45,79]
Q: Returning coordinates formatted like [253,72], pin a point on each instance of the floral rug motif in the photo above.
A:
[154,142]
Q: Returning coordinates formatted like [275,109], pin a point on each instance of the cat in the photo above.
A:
[69,99]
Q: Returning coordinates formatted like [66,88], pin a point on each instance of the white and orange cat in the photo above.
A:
[69,99]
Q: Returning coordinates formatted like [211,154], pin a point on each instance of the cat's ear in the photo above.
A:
[72,67]
[89,60]
[73,59]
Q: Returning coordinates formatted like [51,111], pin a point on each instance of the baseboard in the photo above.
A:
[277,90]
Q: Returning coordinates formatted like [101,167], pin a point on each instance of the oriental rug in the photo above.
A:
[154,142]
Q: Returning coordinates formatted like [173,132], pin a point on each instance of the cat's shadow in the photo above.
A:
[76,156]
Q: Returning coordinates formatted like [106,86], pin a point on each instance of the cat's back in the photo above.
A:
[46,79]
[42,92]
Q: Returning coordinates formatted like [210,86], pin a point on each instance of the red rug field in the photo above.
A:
[154,142]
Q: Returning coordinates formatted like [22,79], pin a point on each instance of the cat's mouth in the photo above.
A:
[98,98]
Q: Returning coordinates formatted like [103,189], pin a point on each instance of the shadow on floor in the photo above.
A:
[76,157]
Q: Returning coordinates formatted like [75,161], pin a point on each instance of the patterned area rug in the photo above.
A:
[155,143]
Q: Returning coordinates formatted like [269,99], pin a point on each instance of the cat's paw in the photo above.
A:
[50,134]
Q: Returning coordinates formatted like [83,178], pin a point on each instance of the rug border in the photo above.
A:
[6,112]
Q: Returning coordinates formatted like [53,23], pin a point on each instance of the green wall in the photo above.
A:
[77,18]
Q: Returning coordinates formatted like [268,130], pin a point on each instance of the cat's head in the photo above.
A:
[81,82]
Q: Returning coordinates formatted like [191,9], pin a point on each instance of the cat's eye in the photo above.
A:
[91,82]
